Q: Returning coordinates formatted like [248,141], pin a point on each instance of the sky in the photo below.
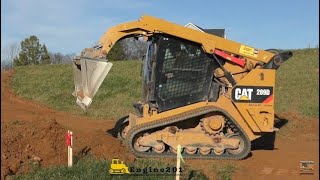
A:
[68,26]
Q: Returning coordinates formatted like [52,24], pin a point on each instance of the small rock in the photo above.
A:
[36,158]
[27,147]
[15,165]
[4,156]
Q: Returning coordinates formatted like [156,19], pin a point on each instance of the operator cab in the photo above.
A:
[176,72]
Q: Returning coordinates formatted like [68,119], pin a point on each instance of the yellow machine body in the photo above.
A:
[223,128]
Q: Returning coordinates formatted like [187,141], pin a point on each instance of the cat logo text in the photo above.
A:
[243,94]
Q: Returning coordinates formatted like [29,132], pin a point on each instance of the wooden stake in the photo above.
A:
[69,142]
[71,154]
[178,162]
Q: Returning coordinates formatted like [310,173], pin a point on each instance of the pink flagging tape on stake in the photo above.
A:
[68,138]
[69,143]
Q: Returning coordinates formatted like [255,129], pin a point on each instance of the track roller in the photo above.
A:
[159,148]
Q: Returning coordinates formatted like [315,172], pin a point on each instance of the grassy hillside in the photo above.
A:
[297,84]
[297,87]
[53,85]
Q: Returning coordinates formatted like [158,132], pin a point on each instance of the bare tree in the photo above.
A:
[59,58]
[67,59]
[56,58]
[8,54]
[133,48]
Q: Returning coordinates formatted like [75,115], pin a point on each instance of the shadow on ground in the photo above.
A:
[119,124]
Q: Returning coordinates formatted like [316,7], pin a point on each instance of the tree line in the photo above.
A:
[31,52]
[128,49]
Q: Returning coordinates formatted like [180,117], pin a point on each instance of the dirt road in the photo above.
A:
[32,133]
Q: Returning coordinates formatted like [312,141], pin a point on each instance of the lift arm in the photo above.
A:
[148,25]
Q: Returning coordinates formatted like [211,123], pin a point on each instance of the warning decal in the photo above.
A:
[249,51]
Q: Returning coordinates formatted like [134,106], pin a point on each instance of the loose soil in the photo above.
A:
[33,134]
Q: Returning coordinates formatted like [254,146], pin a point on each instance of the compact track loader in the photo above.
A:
[211,95]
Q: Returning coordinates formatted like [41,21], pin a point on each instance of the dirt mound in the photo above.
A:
[34,134]
[23,145]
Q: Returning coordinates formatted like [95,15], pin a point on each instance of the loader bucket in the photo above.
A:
[88,77]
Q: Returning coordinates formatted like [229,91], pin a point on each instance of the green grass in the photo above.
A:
[297,84]
[53,85]
[224,171]
[297,87]
[90,168]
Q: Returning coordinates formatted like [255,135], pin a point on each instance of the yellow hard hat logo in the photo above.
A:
[118,167]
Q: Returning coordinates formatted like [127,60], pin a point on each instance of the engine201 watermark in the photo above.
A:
[152,170]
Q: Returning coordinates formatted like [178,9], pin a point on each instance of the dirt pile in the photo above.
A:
[24,145]
[34,135]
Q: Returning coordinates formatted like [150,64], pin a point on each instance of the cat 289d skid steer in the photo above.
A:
[211,95]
